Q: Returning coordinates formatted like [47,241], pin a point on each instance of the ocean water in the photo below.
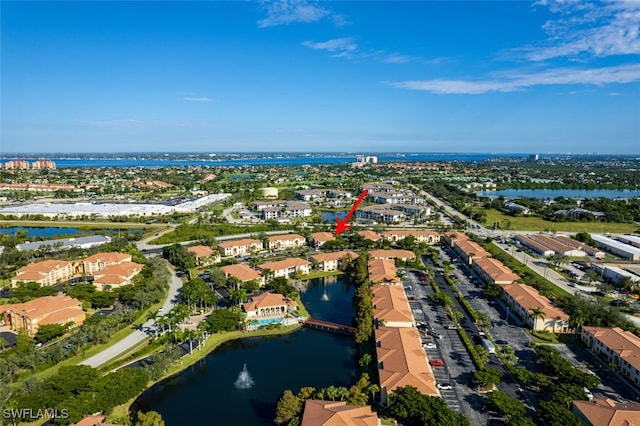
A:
[258,160]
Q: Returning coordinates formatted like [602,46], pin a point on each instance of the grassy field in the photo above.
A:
[78,224]
[525,223]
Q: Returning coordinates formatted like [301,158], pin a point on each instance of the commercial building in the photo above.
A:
[66,243]
[557,246]
[618,248]
[591,251]
[633,240]
[534,246]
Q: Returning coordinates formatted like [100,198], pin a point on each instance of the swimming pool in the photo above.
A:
[265,321]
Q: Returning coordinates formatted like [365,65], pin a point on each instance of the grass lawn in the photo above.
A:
[96,349]
[543,337]
[526,223]
[320,274]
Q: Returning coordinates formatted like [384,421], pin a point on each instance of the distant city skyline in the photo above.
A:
[313,76]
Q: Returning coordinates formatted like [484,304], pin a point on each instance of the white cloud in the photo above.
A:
[589,29]
[284,12]
[197,99]
[339,46]
[396,58]
[521,81]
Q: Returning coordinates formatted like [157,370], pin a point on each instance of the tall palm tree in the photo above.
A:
[536,314]
[373,388]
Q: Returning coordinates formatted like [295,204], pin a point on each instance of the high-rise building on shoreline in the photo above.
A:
[24,165]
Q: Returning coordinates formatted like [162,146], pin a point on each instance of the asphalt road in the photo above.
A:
[138,335]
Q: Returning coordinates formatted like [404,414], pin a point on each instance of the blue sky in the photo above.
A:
[300,75]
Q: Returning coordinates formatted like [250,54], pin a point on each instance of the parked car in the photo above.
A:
[430,345]
[502,342]
[437,362]
[445,386]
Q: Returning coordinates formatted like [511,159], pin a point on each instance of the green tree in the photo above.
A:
[502,403]
[48,332]
[289,406]
[223,320]
[412,408]
[3,343]
[150,418]
[487,376]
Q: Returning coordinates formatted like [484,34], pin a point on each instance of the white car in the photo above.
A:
[430,345]
[445,386]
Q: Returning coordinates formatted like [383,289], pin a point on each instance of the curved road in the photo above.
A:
[175,284]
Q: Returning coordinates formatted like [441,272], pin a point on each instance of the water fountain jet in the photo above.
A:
[244,380]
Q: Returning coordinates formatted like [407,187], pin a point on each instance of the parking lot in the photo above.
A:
[458,367]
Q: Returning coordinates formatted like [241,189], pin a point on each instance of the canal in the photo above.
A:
[206,394]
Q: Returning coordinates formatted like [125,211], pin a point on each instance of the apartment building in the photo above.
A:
[332,261]
[620,348]
[524,301]
[28,316]
[287,267]
[391,306]
[469,251]
[243,273]
[420,235]
[100,261]
[402,361]
[392,254]
[493,271]
[383,271]
[117,275]
[240,247]
[204,255]
[46,272]
[319,238]
[330,413]
[285,242]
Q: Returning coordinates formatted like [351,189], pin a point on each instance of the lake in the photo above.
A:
[555,193]
[331,216]
[204,394]
[34,231]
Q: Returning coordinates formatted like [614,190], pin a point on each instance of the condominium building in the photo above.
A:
[620,348]
[46,272]
[525,301]
[240,247]
[284,242]
[101,261]
[46,310]
[287,267]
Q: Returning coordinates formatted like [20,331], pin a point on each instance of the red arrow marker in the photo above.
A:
[341,224]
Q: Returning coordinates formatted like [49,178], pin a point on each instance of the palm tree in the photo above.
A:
[536,314]
[373,389]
